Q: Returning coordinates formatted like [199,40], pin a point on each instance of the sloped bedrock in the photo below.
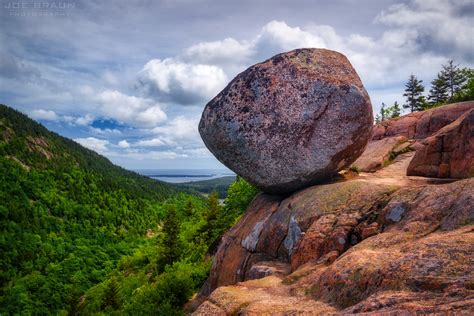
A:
[361,248]
[324,222]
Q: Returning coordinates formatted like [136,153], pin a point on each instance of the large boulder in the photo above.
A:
[447,154]
[290,121]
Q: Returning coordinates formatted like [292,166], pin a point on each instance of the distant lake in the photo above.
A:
[184,175]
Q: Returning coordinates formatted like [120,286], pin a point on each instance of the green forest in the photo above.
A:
[219,185]
[81,236]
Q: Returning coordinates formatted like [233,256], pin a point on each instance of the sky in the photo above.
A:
[129,79]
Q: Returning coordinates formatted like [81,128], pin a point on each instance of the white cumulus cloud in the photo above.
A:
[95,144]
[226,51]
[154,142]
[46,115]
[180,82]
[123,144]
[180,129]
[277,37]
[136,111]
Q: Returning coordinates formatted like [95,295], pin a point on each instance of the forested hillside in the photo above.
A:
[219,185]
[80,235]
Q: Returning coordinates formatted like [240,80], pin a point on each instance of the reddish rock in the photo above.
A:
[365,230]
[377,152]
[291,230]
[263,269]
[290,121]
[415,255]
[237,245]
[426,268]
[449,153]
[425,247]
[419,125]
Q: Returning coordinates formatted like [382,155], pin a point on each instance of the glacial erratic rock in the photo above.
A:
[290,121]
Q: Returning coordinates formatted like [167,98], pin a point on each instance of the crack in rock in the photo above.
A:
[294,234]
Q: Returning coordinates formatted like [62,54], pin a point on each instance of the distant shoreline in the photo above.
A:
[185,175]
[182,175]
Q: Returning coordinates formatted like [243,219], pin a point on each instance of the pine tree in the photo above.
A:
[111,295]
[189,208]
[388,112]
[396,110]
[467,91]
[214,208]
[383,112]
[455,78]
[170,240]
[413,92]
[211,216]
[439,90]
[378,119]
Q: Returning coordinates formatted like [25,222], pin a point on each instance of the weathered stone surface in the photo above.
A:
[449,153]
[260,297]
[290,121]
[430,273]
[263,269]
[419,125]
[377,152]
[273,228]
[425,247]
[362,248]
[232,257]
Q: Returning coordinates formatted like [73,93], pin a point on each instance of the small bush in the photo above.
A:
[355,169]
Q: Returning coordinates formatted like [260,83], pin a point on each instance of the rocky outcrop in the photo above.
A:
[420,125]
[291,121]
[449,153]
[398,136]
[353,246]
[273,229]
[380,242]
[380,152]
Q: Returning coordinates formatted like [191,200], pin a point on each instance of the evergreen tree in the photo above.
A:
[454,77]
[413,93]
[170,240]
[467,91]
[214,207]
[210,229]
[395,110]
[383,112]
[189,208]
[388,112]
[439,90]
[111,297]
[378,119]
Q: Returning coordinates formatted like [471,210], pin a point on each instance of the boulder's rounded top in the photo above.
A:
[319,63]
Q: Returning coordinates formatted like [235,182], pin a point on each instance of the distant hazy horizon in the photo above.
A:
[185,175]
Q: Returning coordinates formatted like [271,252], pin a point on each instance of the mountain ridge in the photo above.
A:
[65,148]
